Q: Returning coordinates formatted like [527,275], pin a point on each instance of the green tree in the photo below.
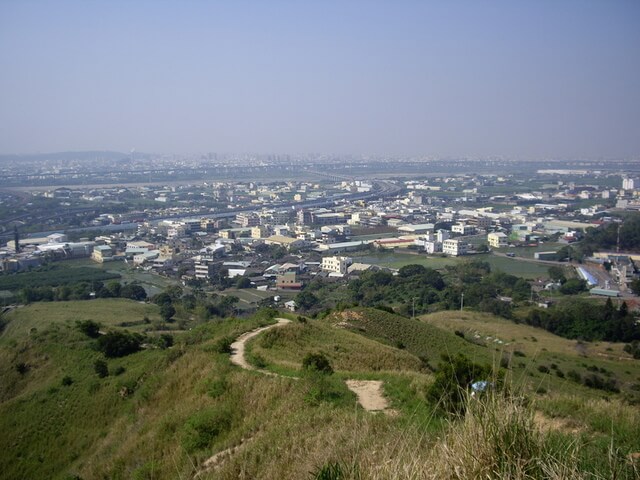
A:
[306,300]
[133,291]
[411,270]
[556,274]
[119,344]
[112,289]
[573,286]
[167,312]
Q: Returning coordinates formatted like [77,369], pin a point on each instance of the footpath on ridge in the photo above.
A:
[369,392]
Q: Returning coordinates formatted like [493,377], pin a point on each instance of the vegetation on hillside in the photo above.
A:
[587,320]
[55,275]
[162,413]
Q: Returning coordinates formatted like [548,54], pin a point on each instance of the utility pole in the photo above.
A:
[413,301]
[461,301]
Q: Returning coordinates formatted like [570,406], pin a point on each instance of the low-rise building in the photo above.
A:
[497,239]
[454,247]
[102,253]
[336,264]
[287,242]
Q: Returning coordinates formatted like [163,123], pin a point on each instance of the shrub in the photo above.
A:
[224,345]
[165,340]
[336,471]
[89,328]
[599,383]
[216,388]
[259,361]
[202,428]
[452,380]
[119,344]
[459,333]
[574,375]
[543,369]
[101,369]
[67,381]
[324,388]
[22,368]
[119,370]
[317,362]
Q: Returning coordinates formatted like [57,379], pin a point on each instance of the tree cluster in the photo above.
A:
[82,291]
[587,320]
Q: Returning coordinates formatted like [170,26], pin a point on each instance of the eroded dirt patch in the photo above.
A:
[370,396]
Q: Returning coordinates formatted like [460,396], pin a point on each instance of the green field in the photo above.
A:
[152,282]
[54,276]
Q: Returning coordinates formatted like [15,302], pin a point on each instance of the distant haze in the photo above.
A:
[521,79]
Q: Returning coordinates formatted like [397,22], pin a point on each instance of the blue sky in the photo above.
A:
[520,79]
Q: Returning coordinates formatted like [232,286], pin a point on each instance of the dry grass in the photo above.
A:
[519,336]
[347,351]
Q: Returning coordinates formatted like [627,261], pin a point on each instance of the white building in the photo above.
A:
[433,247]
[442,235]
[497,240]
[336,264]
[463,229]
[454,247]
[630,183]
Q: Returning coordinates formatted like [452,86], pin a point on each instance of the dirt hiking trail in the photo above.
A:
[369,392]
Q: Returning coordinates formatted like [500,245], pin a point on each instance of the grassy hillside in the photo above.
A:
[532,351]
[421,339]
[347,351]
[166,413]
[107,311]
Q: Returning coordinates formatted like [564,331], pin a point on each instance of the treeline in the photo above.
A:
[173,301]
[419,289]
[587,320]
[81,291]
[606,237]
[53,276]
[472,285]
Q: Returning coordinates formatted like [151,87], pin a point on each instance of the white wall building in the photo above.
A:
[454,247]
[336,264]
[497,239]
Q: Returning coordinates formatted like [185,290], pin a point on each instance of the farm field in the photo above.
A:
[529,252]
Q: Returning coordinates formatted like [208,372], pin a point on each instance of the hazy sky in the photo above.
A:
[523,79]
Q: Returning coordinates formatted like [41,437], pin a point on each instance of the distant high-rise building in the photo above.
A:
[630,183]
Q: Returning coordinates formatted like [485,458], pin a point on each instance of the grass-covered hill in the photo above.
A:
[181,410]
